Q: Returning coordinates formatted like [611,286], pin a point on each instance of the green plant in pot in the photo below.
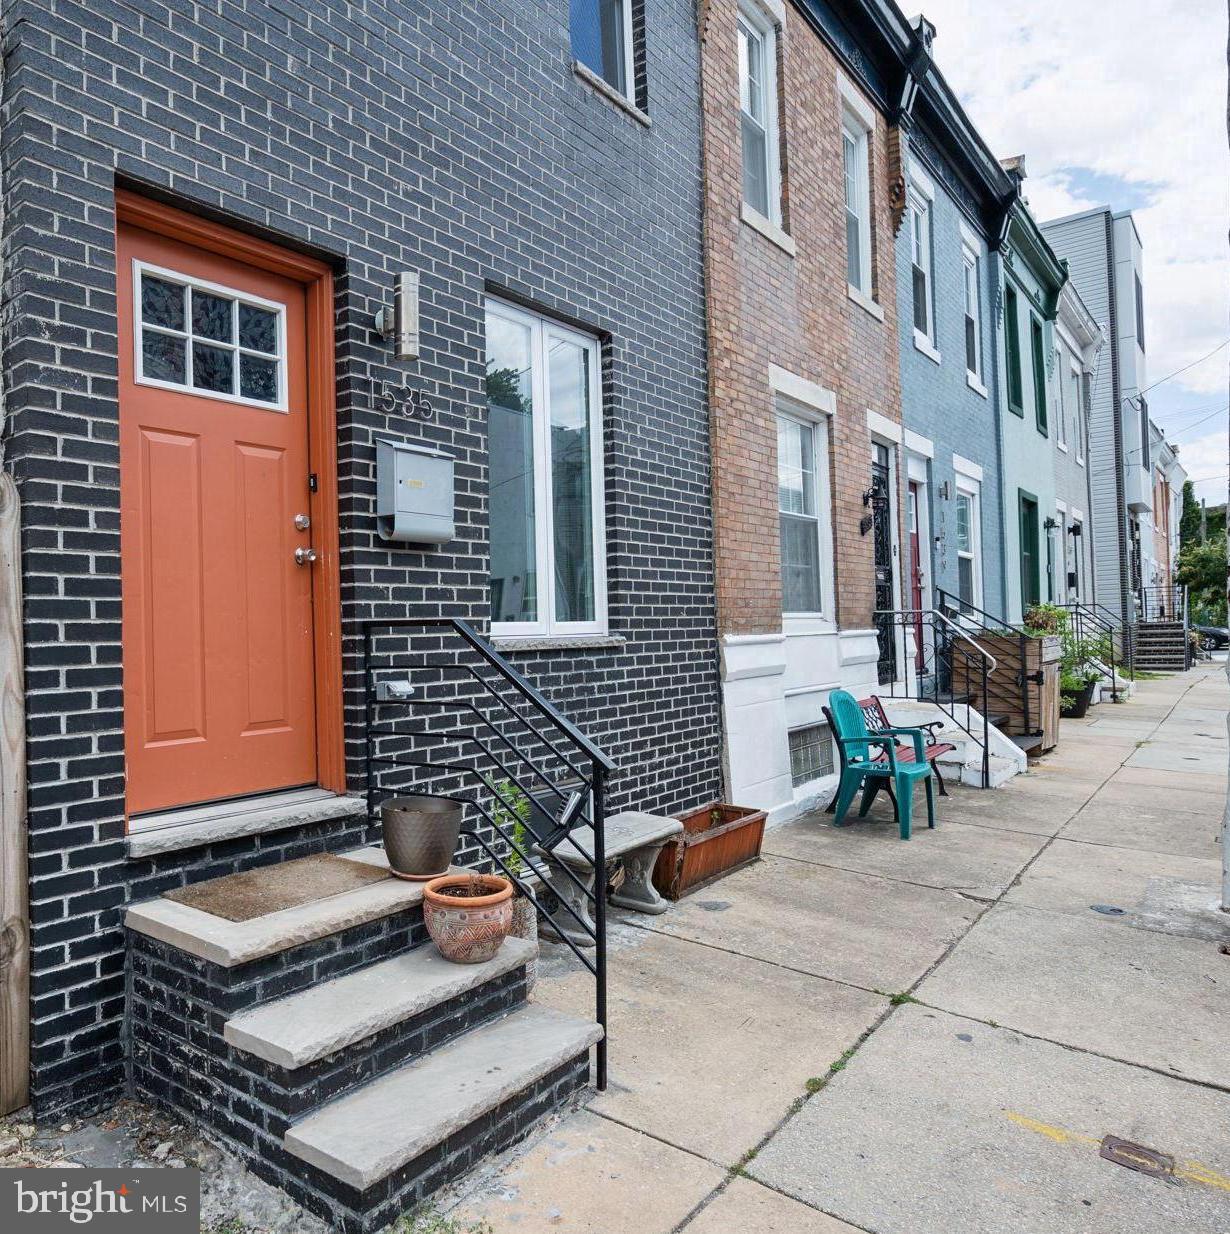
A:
[511,812]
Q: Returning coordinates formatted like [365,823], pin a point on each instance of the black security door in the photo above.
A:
[882,536]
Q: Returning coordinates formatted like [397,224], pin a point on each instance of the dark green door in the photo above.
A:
[1031,586]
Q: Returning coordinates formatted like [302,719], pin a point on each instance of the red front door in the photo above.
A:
[916,572]
[219,680]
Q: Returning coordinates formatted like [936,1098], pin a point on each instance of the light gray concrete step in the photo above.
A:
[304,1027]
[366,1135]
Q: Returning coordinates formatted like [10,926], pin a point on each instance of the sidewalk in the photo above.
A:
[929,1037]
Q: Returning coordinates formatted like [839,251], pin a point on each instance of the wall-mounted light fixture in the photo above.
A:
[1075,530]
[401,323]
[1049,523]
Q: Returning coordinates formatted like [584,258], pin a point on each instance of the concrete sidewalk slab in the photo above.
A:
[590,1176]
[747,1207]
[709,1049]
[943,1126]
[1155,831]
[1131,994]
[1071,876]
[1017,806]
[1184,757]
[1168,777]
[877,933]
[1162,799]
[979,861]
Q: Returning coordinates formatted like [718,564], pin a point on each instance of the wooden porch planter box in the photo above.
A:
[1040,667]
[717,838]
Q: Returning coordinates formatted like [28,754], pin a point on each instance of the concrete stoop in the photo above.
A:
[334,1049]
[963,764]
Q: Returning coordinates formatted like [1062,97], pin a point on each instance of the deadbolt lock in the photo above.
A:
[302,522]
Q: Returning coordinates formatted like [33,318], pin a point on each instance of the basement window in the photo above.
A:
[811,754]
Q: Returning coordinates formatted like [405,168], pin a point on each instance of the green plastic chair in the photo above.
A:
[861,768]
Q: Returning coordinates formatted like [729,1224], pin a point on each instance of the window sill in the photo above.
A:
[769,229]
[974,384]
[864,302]
[608,92]
[923,343]
[1062,445]
[557,642]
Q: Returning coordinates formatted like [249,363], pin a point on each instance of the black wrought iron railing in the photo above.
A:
[1101,641]
[446,714]
[1163,604]
[940,664]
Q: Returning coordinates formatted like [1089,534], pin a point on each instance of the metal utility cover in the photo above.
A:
[1137,1157]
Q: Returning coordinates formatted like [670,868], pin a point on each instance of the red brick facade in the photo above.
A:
[767,307]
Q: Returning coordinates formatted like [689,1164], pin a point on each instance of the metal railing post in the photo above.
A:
[599,823]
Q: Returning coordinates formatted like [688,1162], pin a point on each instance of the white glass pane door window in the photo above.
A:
[758,114]
[802,486]
[548,562]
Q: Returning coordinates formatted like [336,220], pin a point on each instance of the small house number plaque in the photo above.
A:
[392,399]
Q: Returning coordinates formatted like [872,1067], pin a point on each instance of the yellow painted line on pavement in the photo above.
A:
[1188,1171]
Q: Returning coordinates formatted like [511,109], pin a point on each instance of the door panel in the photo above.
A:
[218,629]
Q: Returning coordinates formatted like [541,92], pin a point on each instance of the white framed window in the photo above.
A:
[803,514]
[857,173]
[969,542]
[1062,402]
[544,425]
[758,104]
[1077,402]
[920,271]
[971,273]
[207,340]
[601,32]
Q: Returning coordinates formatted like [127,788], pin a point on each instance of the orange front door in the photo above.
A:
[219,682]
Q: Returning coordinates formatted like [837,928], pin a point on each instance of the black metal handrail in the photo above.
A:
[1086,623]
[1167,603]
[517,738]
[942,666]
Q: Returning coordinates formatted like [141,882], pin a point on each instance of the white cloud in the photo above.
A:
[1119,88]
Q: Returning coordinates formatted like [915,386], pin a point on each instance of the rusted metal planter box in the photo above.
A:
[717,838]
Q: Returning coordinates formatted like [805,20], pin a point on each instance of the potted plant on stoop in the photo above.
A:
[1076,693]
[468,915]
[511,812]
[420,835]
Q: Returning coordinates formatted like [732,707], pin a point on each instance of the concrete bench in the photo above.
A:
[637,839]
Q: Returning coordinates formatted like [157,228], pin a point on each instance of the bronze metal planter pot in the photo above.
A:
[420,834]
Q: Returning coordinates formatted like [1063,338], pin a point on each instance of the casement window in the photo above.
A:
[1076,402]
[208,340]
[1061,403]
[802,486]
[544,426]
[1037,350]
[971,268]
[969,544]
[811,754]
[758,104]
[1145,460]
[601,33]
[856,165]
[1012,345]
[1140,314]
[920,272]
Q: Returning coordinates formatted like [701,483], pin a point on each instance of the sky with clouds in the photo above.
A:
[1122,103]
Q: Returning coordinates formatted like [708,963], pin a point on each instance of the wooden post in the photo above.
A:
[14,900]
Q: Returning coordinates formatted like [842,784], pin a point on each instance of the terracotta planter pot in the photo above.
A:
[468,929]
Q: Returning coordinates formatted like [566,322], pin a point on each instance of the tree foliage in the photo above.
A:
[1202,570]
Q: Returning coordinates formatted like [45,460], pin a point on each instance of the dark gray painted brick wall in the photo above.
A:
[450,139]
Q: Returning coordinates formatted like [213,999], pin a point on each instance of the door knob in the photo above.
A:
[305,556]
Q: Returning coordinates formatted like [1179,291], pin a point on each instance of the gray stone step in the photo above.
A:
[366,1135]
[302,1028]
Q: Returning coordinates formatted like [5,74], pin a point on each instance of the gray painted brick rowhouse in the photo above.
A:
[453,140]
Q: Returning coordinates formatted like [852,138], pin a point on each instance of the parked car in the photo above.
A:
[1213,638]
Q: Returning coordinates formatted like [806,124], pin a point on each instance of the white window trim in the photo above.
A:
[629,90]
[766,26]
[858,118]
[1061,402]
[966,467]
[921,199]
[1081,419]
[971,259]
[968,487]
[186,387]
[541,329]
[816,418]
